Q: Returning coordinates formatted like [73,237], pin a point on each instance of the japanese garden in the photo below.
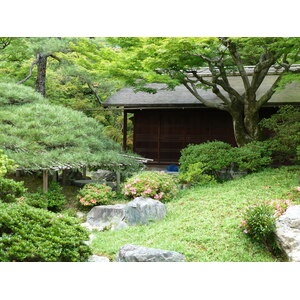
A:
[150,149]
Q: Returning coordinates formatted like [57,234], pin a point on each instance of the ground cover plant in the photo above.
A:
[203,222]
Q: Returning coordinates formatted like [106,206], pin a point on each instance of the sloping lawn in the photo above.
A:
[202,222]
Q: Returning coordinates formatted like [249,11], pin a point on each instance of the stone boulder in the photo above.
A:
[144,210]
[134,253]
[288,233]
[106,217]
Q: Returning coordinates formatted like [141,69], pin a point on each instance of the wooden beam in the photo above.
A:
[125,131]
[45,181]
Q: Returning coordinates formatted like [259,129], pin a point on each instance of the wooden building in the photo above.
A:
[168,121]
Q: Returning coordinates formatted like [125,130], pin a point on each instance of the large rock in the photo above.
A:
[144,210]
[134,253]
[288,233]
[106,217]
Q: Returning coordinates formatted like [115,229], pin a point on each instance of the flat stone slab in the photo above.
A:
[134,253]
[288,233]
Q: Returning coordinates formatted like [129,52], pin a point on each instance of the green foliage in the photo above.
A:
[259,223]
[39,135]
[29,234]
[252,156]
[6,164]
[157,185]
[213,155]
[52,200]
[14,94]
[10,190]
[285,127]
[95,194]
[195,175]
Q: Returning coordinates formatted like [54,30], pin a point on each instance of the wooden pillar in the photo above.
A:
[64,177]
[124,130]
[84,172]
[118,173]
[45,181]
[55,176]
[18,173]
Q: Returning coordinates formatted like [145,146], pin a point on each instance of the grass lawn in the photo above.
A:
[202,222]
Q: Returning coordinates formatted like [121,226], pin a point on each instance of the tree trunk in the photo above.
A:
[245,126]
[41,75]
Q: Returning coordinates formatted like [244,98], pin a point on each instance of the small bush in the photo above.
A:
[195,175]
[95,194]
[29,234]
[252,156]
[52,200]
[259,221]
[214,155]
[10,190]
[157,185]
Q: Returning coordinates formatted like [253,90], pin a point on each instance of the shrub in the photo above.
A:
[10,190]
[214,155]
[52,200]
[29,234]
[157,185]
[95,194]
[252,156]
[195,175]
[259,221]
[285,128]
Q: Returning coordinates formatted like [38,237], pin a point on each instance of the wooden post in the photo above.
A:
[18,173]
[118,180]
[45,181]
[64,177]
[124,130]
[55,176]
[84,172]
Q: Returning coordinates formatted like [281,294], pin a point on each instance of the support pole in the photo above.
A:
[64,177]
[124,130]
[55,176]
[118,180]
[84,172]
[18,173]
[45,181]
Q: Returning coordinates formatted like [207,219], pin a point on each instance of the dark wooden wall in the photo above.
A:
[161,134]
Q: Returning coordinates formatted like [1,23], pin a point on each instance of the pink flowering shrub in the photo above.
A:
[95,194]
[156,185]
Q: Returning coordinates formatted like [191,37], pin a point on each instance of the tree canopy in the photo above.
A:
[42,135]
[176,61]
